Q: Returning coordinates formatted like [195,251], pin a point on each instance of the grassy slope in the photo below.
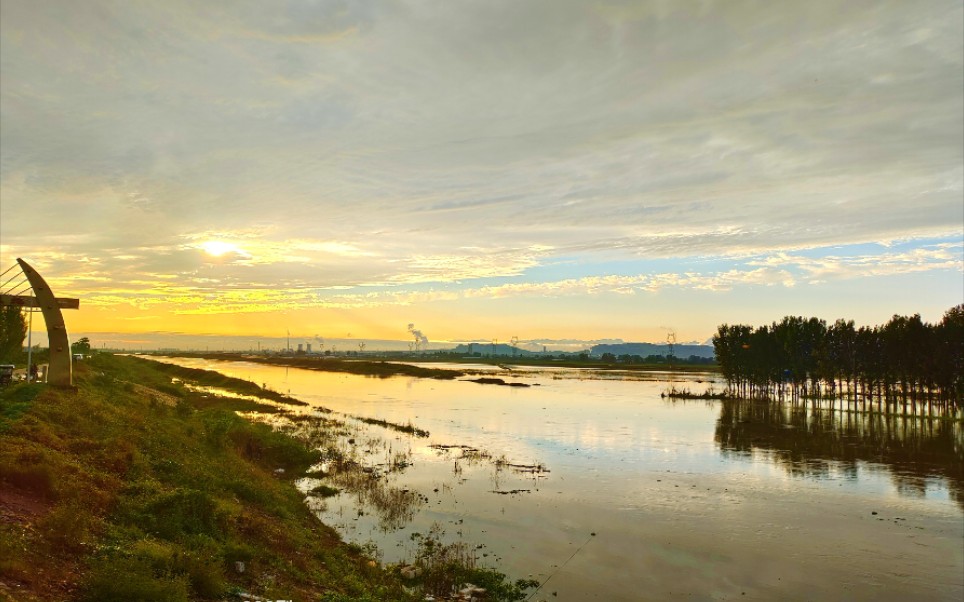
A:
[131,487]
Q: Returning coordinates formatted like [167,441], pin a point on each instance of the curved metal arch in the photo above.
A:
[61,370]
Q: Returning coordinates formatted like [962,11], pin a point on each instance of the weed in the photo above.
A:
[126,579]
[237,551]
[29,475]
[445,568]
[67,527]
[325,491]
[15,400]
[182,512]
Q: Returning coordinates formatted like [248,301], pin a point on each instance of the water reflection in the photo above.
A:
[830,443]
[689,499]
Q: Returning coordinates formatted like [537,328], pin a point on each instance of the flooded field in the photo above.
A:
[599,488]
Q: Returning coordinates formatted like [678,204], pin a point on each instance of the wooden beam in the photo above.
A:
[29,301]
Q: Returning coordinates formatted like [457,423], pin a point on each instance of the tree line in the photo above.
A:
[903,361]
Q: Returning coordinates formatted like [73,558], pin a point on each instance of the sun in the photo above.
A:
[218,248]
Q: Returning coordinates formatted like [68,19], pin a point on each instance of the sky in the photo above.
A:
[552,170]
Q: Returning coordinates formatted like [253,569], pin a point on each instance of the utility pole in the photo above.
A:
[671,342]
[30,345]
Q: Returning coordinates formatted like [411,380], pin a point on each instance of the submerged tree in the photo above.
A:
[904,361]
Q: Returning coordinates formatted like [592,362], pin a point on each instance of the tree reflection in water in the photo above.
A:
[816,442]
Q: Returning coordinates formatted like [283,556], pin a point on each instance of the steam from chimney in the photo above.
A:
[420,338]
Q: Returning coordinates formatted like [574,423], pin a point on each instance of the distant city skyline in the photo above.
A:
[484,169]
[160,341]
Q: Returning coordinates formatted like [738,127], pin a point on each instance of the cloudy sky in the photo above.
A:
[484,169]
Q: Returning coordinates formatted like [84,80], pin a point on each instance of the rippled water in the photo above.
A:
[644,498]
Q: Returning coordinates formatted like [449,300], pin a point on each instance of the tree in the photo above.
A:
[81,346]
[13,330]
[949,371]
[903,361]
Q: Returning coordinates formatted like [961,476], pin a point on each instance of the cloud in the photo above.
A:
[400,145]
[216,299]
[946,256]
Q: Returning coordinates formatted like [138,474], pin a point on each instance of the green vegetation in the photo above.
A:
[384,366]
[208,378]
[440,568]
[902,361]
[82,346]
[408,428]
[134,488]
[606,361]
[686,393]
[16,402]
[379,369]
[13,330]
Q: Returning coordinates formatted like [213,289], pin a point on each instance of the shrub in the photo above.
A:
[204,572]
[36,478]
[182,512]
[67,527]
[262,444]
[236,551]
[325,491]
[248,491]
[217,425]
[127,579]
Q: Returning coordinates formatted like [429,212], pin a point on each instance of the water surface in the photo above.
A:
[612,492]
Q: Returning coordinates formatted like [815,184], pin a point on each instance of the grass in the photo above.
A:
[379,369]
[387,366]
[442,568]
[16,400]
[685,393]
[131,487]
[408,428]
[325,491]
[208,378]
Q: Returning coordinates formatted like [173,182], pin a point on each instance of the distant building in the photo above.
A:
[646,349]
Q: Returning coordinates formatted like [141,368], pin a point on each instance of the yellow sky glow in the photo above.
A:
[217,248]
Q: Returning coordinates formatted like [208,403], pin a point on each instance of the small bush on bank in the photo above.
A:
[126,579]
[182,512]
[34,478]
[67,528]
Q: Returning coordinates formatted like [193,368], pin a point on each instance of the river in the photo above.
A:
[598,487]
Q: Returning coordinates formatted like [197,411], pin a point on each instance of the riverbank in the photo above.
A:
[377,368]
[385,366]
[134,487]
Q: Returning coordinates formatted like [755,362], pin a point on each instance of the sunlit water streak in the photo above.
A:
[703,500]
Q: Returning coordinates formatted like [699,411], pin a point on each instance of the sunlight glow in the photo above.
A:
[218,248]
